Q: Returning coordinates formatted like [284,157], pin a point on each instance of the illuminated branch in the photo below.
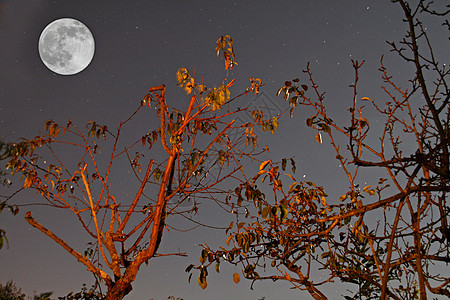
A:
[78,256]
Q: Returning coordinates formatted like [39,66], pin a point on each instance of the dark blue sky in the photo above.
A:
[141,44]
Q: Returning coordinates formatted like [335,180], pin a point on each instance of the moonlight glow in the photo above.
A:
[66,46]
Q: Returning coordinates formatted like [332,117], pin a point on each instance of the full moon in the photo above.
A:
[66,46]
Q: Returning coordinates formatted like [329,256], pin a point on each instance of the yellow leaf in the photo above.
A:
[366,187]
[228,240]
[292,186]
[180,72]
[365,99]
[369,190]
[201,88]
[28,180]
[290,176]
[188,89]
[236,278]
[263,164]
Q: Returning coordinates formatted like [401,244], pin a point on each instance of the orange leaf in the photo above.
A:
[202,283]
[236,278]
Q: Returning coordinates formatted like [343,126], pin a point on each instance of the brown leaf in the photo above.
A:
[202,282]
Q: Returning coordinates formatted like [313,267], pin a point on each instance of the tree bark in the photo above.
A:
[119,289]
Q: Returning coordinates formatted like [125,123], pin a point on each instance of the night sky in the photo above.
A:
[140,44]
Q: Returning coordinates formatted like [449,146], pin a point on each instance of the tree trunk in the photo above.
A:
[118,290]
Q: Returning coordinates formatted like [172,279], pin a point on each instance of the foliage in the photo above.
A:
[4,150]
[14,209]
[390,238]
[72,168]
[10,291]
[43,296]
[85,294]
[5,181]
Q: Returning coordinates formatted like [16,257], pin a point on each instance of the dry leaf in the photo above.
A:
[319,138]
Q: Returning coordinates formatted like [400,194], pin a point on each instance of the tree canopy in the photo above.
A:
[71,168]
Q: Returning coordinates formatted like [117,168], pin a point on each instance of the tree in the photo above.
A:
[391,238]
[175,159]
[10,291]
